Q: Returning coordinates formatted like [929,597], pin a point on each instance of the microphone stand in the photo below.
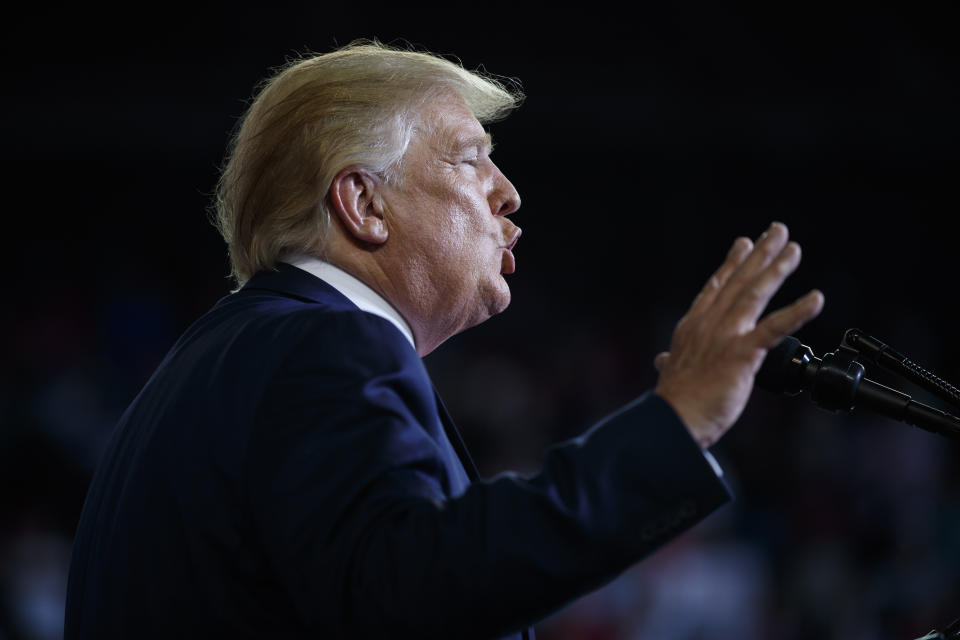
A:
[882,355]
[950,632]
[902,406]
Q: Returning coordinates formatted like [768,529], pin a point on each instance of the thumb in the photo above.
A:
[661,360]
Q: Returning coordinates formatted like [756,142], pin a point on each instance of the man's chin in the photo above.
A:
[494,303]
[500,301]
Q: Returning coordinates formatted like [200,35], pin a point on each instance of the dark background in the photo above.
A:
[647,143]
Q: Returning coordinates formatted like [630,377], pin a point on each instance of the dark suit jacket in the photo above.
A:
[287,473]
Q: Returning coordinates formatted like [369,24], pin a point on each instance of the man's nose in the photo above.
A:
[505,198]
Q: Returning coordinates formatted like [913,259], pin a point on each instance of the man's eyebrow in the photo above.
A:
[484,141]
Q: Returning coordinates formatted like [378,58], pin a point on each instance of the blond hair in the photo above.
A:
[358,105]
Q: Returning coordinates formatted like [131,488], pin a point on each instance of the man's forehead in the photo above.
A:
[455,127]
[453,140]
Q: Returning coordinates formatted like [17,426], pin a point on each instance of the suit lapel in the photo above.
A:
[454,436]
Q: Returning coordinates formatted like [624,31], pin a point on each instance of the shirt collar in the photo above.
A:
[354,290]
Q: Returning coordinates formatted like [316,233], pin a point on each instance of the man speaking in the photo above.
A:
[289,471]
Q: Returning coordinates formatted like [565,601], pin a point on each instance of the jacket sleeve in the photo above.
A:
[348,490]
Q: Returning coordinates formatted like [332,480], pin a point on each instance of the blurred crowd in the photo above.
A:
[843,527]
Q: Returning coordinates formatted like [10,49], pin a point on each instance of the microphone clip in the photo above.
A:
[835,382]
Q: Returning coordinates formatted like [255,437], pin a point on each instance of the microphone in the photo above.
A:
[836,383]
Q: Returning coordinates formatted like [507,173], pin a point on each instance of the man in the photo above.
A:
[289,472]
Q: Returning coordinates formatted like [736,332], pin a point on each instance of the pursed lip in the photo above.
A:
[513,241]
[509,264]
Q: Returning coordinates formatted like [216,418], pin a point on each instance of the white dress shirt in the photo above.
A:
[358,293]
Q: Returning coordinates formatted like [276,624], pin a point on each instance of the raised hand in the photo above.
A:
[719,345]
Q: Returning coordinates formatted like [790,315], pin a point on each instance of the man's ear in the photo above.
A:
[353,198]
